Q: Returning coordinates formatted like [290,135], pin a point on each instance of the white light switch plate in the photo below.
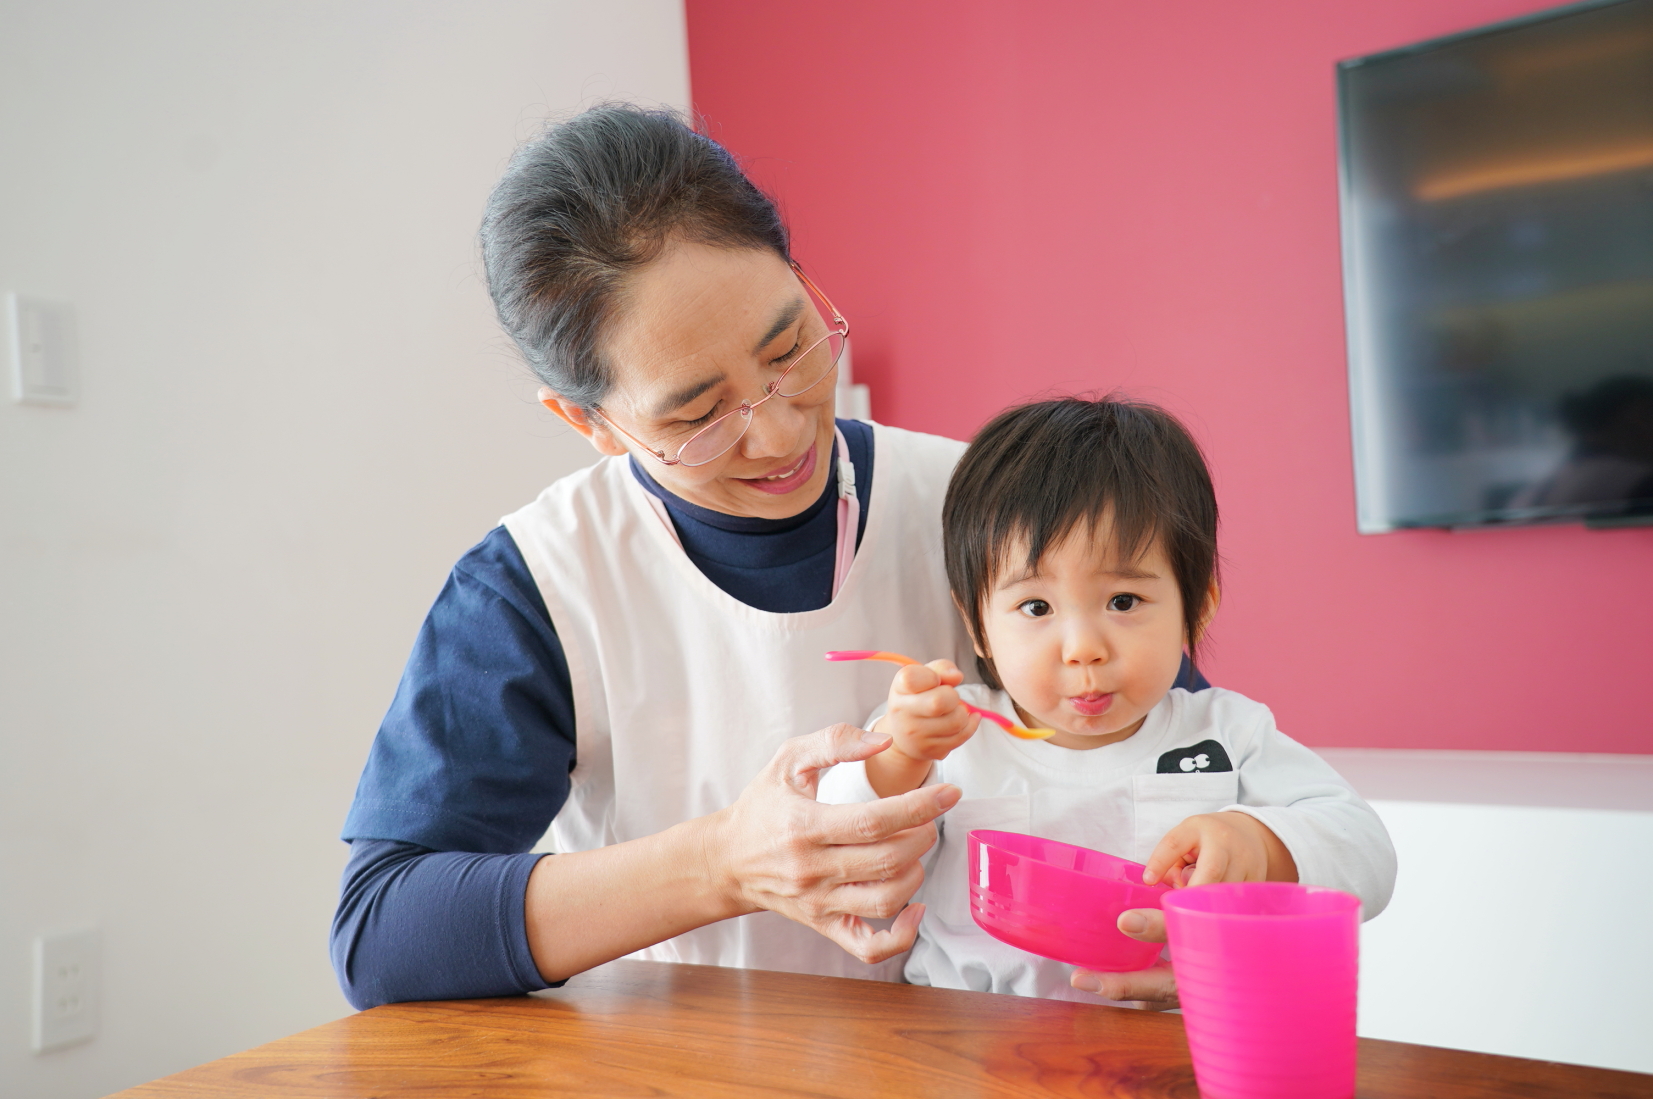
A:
[40,345]
[67,969]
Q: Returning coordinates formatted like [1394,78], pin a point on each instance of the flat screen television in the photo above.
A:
[1497,206]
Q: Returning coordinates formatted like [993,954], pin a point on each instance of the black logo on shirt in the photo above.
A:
[1202,758]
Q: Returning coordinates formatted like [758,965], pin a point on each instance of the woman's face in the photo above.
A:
[698,331]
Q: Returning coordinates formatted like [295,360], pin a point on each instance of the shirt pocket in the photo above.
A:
[947,890]
[1099,817]
[1165,801]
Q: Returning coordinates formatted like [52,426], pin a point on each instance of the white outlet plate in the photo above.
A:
[41,348]
[67,972]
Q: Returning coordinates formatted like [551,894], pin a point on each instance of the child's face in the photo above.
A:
[1087,644]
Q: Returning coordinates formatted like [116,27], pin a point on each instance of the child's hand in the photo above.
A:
[925,722]
[1214,847]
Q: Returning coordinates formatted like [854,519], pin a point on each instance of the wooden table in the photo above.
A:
[649,1029]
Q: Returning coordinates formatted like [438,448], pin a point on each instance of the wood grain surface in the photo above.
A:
[650,1029]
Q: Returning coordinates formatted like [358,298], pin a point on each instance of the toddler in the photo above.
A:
[1081,543]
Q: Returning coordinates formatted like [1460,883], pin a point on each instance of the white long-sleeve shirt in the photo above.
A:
[1201,752]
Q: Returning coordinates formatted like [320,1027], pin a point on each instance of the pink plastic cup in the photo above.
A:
[1267,972]
[1059,901]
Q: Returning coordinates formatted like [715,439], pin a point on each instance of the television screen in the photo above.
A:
[1497,197]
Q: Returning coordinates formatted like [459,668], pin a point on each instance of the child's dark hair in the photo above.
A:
[1039,472]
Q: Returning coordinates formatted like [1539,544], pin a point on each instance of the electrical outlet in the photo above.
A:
[66,971]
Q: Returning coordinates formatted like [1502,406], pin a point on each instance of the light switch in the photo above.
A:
[42,350]
[66,978]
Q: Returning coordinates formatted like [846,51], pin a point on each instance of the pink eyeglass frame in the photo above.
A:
[839,327]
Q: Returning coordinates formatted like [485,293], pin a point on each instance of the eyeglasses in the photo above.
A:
[808,370]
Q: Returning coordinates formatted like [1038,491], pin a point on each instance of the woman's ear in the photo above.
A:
[1213,599]
[596,433]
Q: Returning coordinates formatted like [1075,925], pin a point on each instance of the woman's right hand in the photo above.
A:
[830,867]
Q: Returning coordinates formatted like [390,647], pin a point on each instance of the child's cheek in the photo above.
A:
[1030,666]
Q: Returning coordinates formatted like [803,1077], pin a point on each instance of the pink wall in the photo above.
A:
[1009,200]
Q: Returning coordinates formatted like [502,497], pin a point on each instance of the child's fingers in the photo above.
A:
[946,725]
[915,679]
[1169,853]
[933,737]
[1214,863]
[937,702]
[948,671]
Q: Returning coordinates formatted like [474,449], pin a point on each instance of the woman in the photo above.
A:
[621,657]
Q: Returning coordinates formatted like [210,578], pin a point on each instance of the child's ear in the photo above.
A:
[975,642]
[1213,599]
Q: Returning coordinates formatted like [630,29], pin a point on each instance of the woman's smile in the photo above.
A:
[787,478]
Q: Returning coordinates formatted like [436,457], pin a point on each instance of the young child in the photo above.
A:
[1081,542]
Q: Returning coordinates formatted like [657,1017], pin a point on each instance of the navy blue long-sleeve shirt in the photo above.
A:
[472,761]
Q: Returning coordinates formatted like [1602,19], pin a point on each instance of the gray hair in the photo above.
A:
[591,200]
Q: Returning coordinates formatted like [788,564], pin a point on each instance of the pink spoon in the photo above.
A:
[1003,722]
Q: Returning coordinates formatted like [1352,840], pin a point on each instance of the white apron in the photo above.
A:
[682,693]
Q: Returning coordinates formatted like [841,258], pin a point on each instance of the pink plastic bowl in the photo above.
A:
[1059,901]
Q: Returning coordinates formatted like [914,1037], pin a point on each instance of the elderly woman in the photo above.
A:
[629,659]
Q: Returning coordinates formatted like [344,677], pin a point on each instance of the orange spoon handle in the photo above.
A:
[1015,730]
[997,718]
[1000,720]
[869,654]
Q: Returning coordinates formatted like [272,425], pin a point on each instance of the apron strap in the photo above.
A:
[659,507]
[849,515]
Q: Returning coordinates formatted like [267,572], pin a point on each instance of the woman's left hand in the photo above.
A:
[1211,847]
[1152,989]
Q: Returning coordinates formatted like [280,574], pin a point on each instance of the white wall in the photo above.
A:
[1517,930]
[1521,912]
[296,414]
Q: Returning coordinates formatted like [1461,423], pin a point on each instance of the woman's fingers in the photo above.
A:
[848,908]
[1154,989]
[870,944]
[801,759]
[874,900]
[886,860]
[870,822]
[829,867]
[1143,924]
